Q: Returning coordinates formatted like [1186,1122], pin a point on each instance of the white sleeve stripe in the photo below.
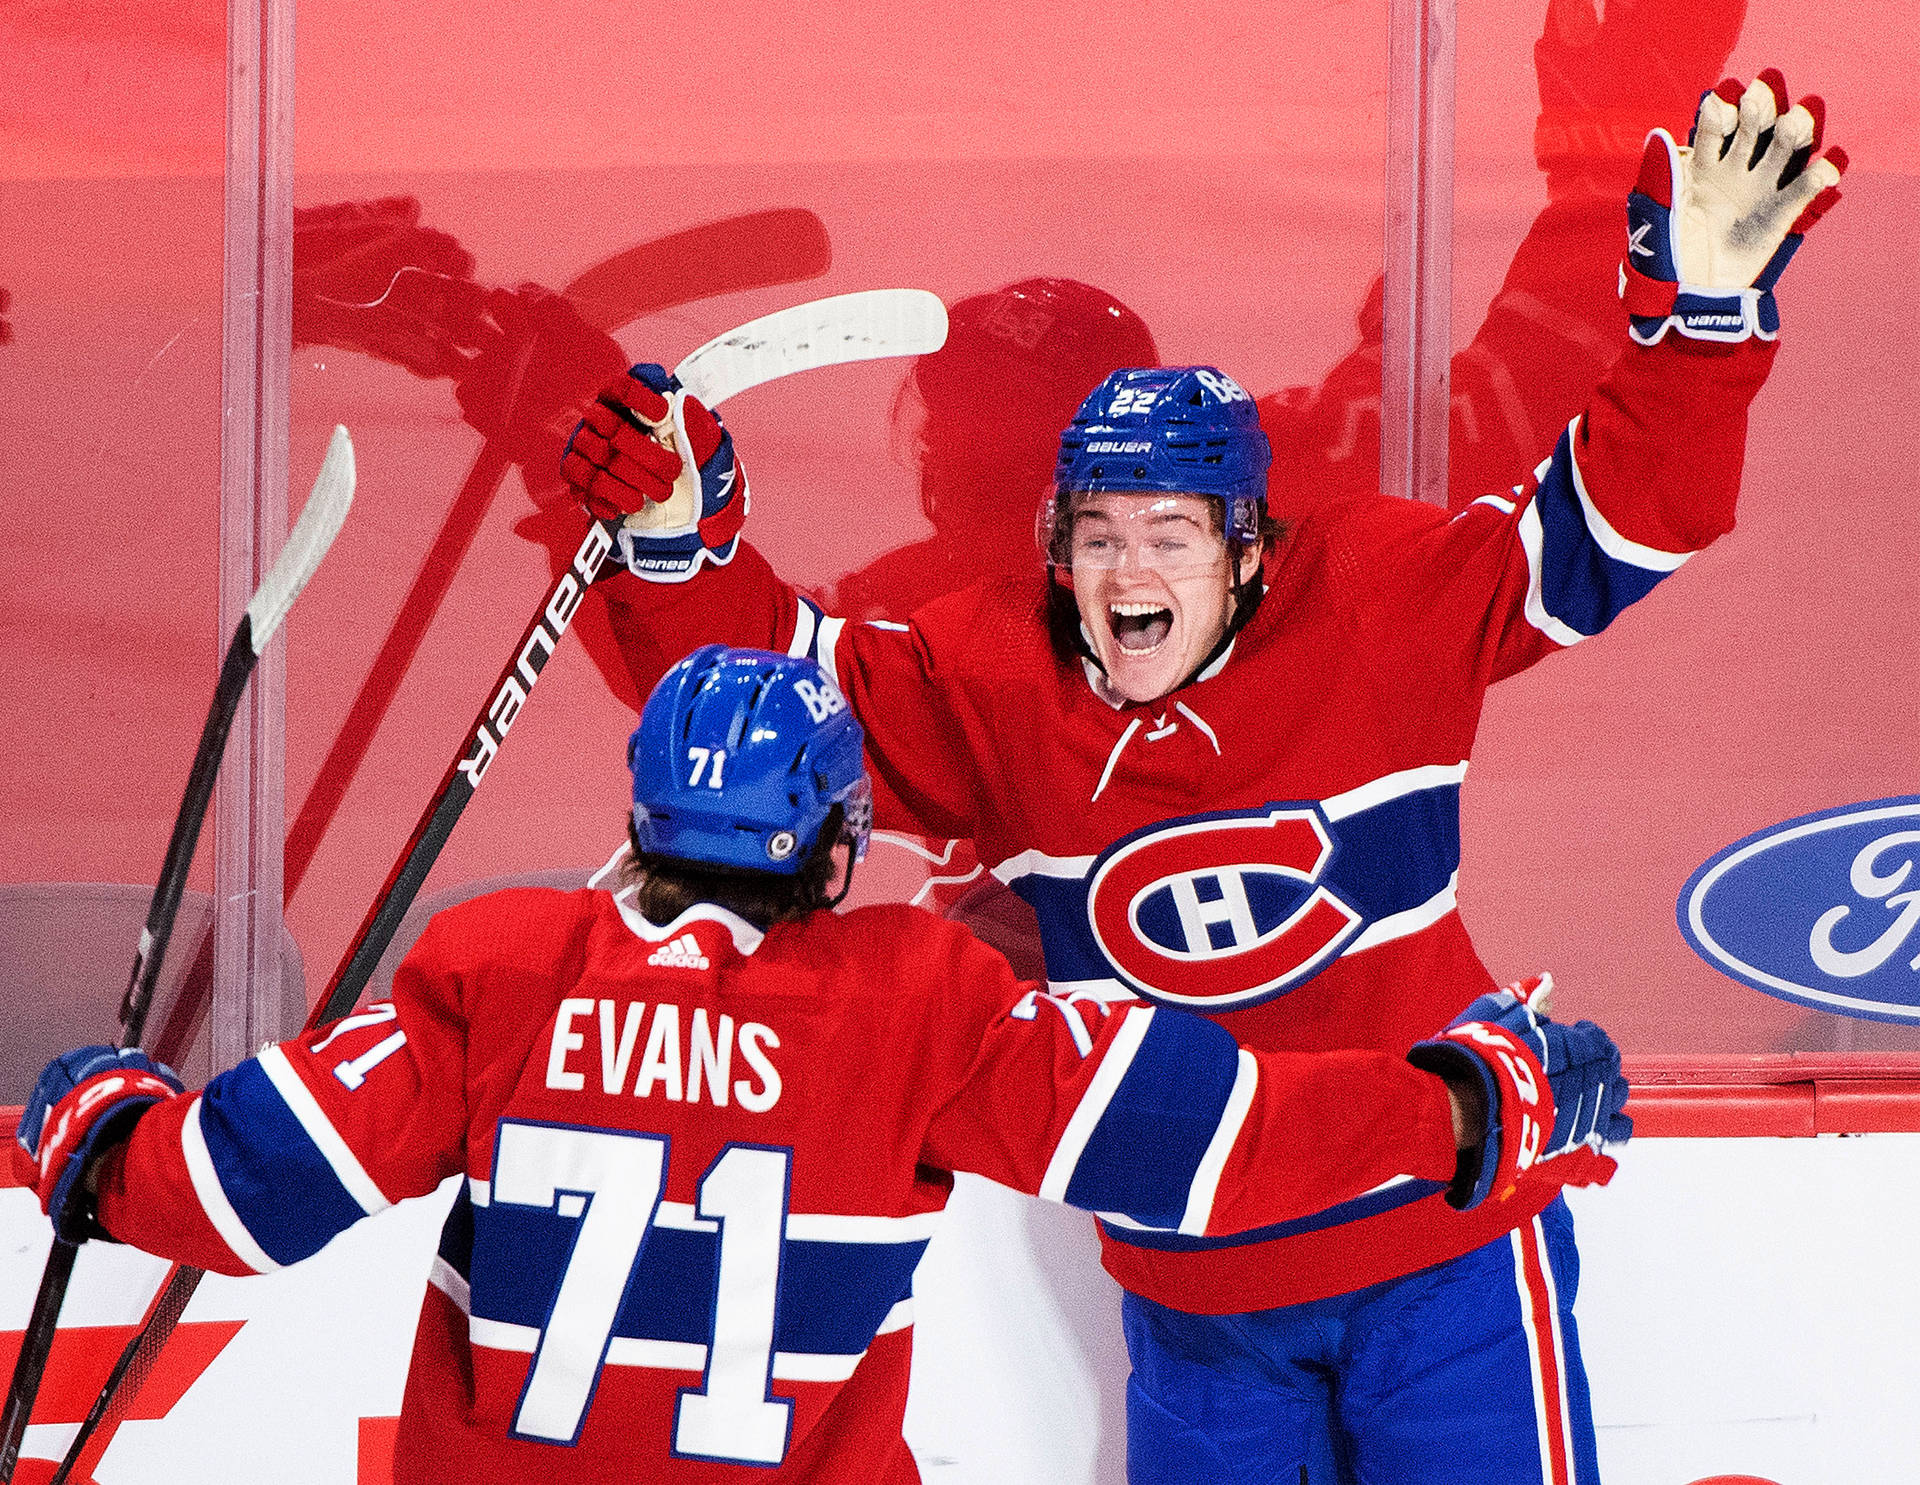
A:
[1093,1103]
[805,622]
[213,1197]
[1616,546]
[1536,608]
[827,646]
[1206,1179]
[326,1139]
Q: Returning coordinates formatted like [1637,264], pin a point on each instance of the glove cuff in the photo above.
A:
[1519,1106]
[1725,315]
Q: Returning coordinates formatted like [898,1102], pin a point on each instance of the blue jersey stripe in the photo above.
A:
[1404,1193]
[833,1296]
[1580,585]
[1170,1101]
[279,1184]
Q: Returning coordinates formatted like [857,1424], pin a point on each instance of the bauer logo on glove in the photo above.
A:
[625,460]
[1711,225]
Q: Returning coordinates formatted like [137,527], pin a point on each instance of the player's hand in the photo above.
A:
[82,1105]
[624,461]
[1711,225]
[1550,1091]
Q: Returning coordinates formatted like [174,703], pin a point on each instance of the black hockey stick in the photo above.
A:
[376,931]
[848,327]
[319,523]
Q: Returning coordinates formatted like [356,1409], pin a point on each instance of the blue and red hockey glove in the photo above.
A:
[81,1106]
[1712,225]
[624,460]
[1552,1092]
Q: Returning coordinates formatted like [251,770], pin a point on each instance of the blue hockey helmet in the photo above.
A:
[1188,430]
[744,760]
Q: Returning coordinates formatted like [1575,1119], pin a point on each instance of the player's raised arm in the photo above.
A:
[1649,473]
[690,579]
[1159,1120]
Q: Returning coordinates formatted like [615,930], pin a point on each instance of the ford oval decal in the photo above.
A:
[1823,910]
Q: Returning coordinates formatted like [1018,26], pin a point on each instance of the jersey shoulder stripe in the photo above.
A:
[257,1150]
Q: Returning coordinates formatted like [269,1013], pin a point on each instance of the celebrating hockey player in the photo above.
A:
[705,1128]
[1222,761]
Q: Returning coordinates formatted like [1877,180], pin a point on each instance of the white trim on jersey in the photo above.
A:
[746,938]
[451,1282]
[1531,540]
[1206,1177]
[1620,548]
[326,1139]
[898,1318]
[1393,786]
[213,1196]
[806,624]
[1113,758]
[829,1227]
[1040,864]
[1093,1103]
[1411,921]
[827,646]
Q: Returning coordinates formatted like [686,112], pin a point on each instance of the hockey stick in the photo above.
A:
[845,328]
[758,250]
[319,523]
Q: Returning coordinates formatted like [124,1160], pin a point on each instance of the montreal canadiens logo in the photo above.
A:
[1823,910]
[1221,911]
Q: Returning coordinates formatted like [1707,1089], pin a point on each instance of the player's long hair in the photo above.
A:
[666,886]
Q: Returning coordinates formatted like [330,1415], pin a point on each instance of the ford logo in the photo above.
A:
[1823,910]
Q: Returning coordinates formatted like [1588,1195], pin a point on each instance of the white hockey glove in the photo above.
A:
[1712,224]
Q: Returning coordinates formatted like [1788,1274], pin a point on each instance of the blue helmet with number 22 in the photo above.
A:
[1183,429]
[743,759]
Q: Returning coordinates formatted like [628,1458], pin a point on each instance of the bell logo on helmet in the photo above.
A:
[1221,385]
[822,700]
[1222,910]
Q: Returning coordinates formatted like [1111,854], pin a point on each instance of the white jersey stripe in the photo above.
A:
[326,1139]
[826,649]
[213,1197]
[1206,1179]
[1411,921]
[1093,1103]
[1616,546]
[1393,786]
[1536,607]
[806,622]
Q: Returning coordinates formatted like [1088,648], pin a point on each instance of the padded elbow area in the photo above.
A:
[1143,1155]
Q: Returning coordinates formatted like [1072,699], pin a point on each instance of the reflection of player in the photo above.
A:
[985,458]
[697,1246]
[1222,763]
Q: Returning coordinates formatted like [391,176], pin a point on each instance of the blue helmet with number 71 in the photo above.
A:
[748,761]
[1189,430]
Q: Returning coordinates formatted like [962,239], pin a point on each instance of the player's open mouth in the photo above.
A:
[1139,628]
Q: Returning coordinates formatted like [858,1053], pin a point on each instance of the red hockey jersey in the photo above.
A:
[1274,845]
[700,1163]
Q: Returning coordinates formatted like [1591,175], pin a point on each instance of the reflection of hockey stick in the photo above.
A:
[319,523]
[828,332]
[758,250]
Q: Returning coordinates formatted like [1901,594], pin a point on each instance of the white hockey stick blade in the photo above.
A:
[307,543]
[827,332]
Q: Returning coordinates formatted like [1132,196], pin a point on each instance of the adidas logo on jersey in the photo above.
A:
[682,953]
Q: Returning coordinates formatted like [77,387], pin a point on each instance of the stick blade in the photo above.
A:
[312,534]
[828,332]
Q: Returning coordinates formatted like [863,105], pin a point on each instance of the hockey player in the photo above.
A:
[705,1128]
[1222,763]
